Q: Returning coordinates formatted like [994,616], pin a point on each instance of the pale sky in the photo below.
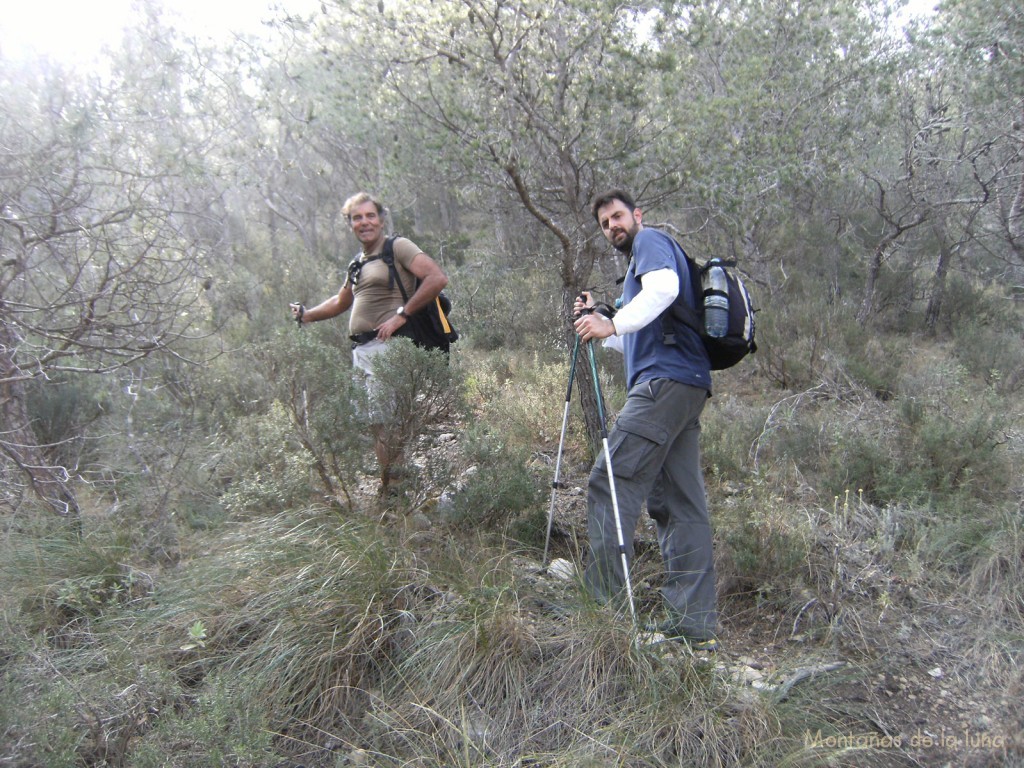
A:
[74,31]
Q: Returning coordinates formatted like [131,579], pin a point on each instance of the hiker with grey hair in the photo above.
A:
[654,444]
[370,290]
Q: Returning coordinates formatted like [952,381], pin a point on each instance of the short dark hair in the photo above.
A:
[608,197]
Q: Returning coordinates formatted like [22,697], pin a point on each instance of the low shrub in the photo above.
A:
[497,485]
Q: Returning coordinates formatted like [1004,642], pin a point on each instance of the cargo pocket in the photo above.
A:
[634,441]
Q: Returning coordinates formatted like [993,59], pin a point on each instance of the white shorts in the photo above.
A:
[363,354]
[362,362]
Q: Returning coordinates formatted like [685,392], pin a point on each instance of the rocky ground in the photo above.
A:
[904,691]
[886,706]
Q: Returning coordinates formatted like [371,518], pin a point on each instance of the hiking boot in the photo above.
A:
[707,646]
[672,631]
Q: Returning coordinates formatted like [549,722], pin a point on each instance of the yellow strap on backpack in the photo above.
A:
[440,313]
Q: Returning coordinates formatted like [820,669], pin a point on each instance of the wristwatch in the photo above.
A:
[401,312]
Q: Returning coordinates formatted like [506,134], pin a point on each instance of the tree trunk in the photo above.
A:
[867,306]
[931,317]
[1015,219]
[49,483]
[584,378]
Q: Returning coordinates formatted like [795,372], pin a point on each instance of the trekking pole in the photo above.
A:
[561,445]
[300,310]
[611,481]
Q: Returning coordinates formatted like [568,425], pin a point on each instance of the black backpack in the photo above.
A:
[429,328]
[738,341]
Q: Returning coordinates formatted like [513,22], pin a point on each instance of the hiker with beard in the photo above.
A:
[379,311]
[654,445]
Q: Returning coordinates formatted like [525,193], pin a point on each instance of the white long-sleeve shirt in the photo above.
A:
[660,289]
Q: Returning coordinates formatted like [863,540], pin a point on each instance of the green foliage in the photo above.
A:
[941,445]
[729,429]
[808,338]
[934,457]
[498,484]
[93,705]
[46,721]
[520,404]
[64,580]
[313,434]
[522,398]
[960,452]
[755,110]
[950,441]
[530,527]
[871,361]
[449,249]
[61,413]
[997,568]
[509,307]
[196,636]
[881,484]
[316,605]
[765,547]
[413,392]
[964,305]
[270,472]
[220,726]
[992,352]
[72,692]
[319,432]
[496,679]
[794,337]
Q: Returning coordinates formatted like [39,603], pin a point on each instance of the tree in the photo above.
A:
[768,102]
[98,273]
[982,44]
[535,99]
[953,158]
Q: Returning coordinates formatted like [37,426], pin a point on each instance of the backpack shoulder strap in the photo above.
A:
[388,252]
[388,255]
[355,267]
[686,312]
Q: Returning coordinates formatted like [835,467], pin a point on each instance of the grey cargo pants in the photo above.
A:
[655,455]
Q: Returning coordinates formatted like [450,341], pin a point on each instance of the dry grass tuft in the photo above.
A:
[497,686]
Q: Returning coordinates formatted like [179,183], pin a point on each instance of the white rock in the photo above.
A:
[562,569]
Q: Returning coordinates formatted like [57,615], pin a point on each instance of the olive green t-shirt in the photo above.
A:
[375,302]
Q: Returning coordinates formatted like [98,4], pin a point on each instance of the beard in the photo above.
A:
[625,245]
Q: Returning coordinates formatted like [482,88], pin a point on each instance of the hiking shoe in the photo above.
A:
[672,631]
[707,646]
